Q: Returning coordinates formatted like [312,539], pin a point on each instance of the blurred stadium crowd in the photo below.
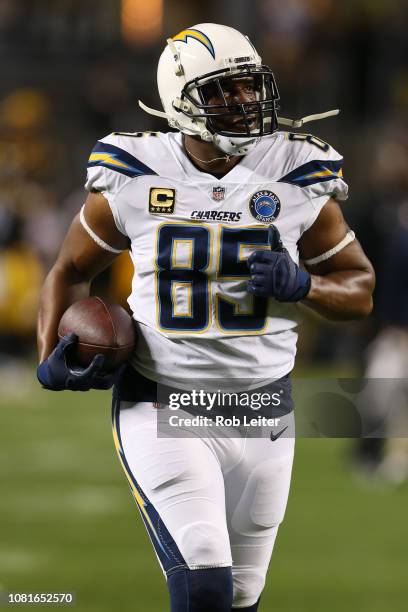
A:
[73,72]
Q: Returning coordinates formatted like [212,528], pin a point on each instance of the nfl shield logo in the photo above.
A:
[218,193]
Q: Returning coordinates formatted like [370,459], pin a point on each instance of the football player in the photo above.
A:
[230,224]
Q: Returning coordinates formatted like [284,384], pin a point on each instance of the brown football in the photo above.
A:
[101,327]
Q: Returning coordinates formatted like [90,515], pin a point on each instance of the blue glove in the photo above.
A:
[55,374]
[274,273]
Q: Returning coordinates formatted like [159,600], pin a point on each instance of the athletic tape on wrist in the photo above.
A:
[349,237]
[94,237]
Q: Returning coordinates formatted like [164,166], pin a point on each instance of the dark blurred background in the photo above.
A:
[73,71]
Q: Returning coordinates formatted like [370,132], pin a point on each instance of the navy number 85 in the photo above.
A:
[191,281]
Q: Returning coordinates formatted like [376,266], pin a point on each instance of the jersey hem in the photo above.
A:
[179,383]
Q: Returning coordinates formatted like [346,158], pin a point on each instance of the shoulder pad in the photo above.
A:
[113,152]
[313,162]
[114,160]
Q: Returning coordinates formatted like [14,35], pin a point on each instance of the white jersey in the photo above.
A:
[191,235]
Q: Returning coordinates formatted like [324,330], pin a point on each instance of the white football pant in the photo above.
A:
[207,502]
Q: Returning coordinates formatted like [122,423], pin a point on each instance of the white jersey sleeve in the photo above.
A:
[111,165]
[317,169]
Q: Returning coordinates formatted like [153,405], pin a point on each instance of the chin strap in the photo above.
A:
[152,111]
[203,133]
[297,123]
[294,123]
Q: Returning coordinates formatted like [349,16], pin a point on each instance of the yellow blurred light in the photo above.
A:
[141,21]
[24,108]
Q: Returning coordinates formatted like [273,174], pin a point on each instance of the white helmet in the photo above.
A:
[199,64]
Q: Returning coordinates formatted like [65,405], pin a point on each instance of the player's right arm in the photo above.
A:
[79,261]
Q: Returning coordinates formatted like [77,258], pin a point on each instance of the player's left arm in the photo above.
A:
[342,285]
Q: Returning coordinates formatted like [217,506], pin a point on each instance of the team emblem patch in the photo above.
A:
[264,206]
[218,194]
[161,200]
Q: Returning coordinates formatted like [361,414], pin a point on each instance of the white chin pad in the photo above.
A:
[235,146]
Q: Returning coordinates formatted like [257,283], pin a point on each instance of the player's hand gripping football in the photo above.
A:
[57,374]
[274,273]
